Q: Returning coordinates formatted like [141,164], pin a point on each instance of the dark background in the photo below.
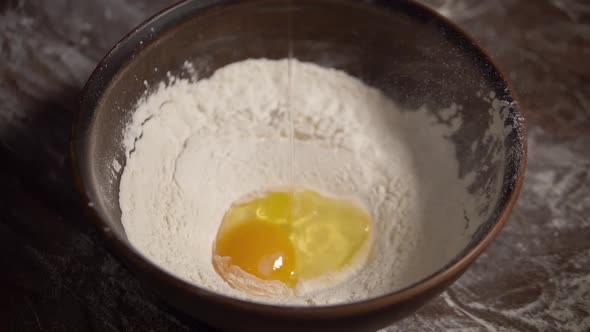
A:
[56,275]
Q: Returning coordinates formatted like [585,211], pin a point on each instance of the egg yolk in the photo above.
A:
[280,238]
[260,248]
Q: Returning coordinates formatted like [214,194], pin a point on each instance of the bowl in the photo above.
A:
[413,55]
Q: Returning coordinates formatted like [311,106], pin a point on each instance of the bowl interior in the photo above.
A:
[416,59]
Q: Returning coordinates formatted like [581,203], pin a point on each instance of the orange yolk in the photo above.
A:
[260,248]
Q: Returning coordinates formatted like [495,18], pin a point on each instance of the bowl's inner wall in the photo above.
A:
[414,58]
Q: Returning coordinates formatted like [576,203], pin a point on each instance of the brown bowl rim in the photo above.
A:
[430,283]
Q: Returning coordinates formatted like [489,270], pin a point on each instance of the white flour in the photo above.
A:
[194,148]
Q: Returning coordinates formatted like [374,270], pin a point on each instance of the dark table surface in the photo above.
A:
[56,275]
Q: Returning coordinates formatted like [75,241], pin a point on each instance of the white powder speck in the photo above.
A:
[488,326]
[116,165]
[108,13]
[205,144]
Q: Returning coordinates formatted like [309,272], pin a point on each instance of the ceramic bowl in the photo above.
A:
[412,54]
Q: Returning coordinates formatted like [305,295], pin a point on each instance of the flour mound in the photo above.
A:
[194,148]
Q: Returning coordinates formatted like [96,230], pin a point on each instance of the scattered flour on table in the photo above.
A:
[193,148]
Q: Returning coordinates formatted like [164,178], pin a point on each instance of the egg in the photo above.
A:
[268,244]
